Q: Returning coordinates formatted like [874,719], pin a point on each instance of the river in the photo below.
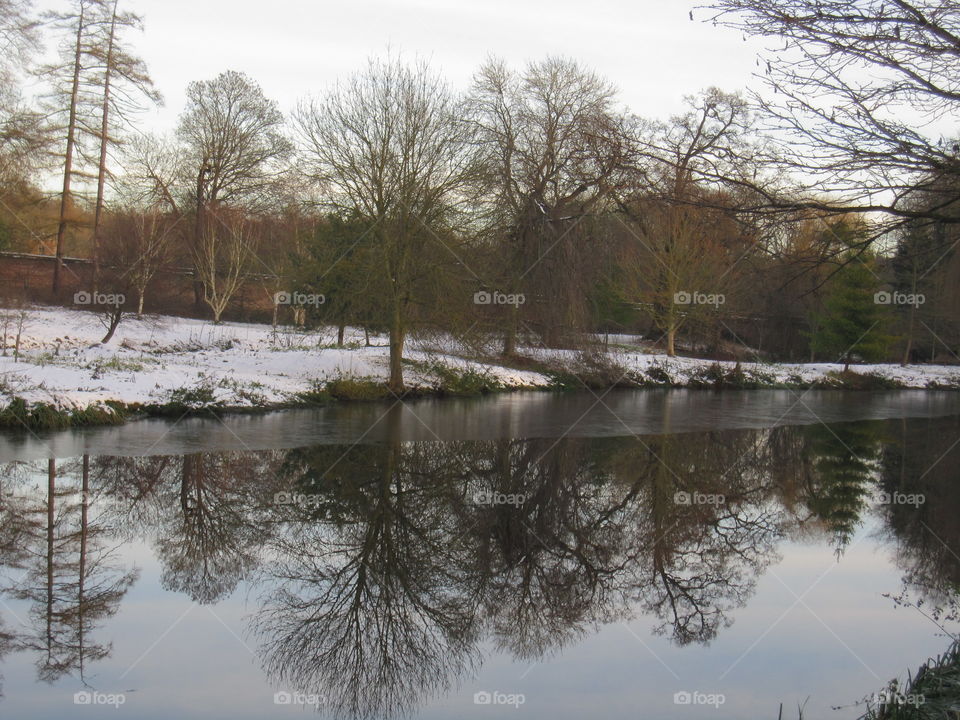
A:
[667,554]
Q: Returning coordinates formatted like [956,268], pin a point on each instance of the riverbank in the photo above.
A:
[63,377]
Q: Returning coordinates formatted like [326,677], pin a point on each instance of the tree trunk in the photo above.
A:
[910,324]
[51,519]
[909,347]
[140,297]
[671,339]
[82,570]
[510,335]
[115,316]
[396,351]
[341,329]
[104,133]
[66,198]
[198,289]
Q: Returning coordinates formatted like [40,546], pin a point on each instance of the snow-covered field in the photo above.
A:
[246,365]
[62,363]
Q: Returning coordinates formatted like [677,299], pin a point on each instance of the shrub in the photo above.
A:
[362,390]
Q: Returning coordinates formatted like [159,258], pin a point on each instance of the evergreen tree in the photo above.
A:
[852,322]
[338,264]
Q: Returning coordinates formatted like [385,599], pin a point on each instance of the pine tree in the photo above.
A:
[126,89]
[71,105]
[20,139]
[852,323]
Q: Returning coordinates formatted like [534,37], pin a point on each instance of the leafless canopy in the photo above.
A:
[551,145]
[234,138]
[388,146]
[863,96]
[18,38]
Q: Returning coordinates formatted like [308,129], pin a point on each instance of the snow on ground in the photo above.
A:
[640,363]
[62,363]
[148,360]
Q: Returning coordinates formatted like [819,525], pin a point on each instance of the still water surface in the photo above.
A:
[560,555]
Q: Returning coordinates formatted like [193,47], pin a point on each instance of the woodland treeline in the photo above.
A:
[811,216]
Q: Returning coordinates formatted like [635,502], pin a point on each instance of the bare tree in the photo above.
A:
[139,242]
[379,618]
[223,256]
[126,86]
[680,254]
[389,145]
[73,581]
[13,319]
[18,38]
[19,136]
[233,137]
[70,102]
[551,146]
[234,147]
[207,539]
[21,142]
[153,168]
[863,96]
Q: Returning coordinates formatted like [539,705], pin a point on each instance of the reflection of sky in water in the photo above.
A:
[843,641]
[603,508]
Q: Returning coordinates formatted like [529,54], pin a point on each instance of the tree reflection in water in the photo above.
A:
[72,577]
[845,459]
[371,605]
[919,477]
[381,570]
[387,578]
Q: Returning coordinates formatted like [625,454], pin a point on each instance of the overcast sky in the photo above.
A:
[648,48]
